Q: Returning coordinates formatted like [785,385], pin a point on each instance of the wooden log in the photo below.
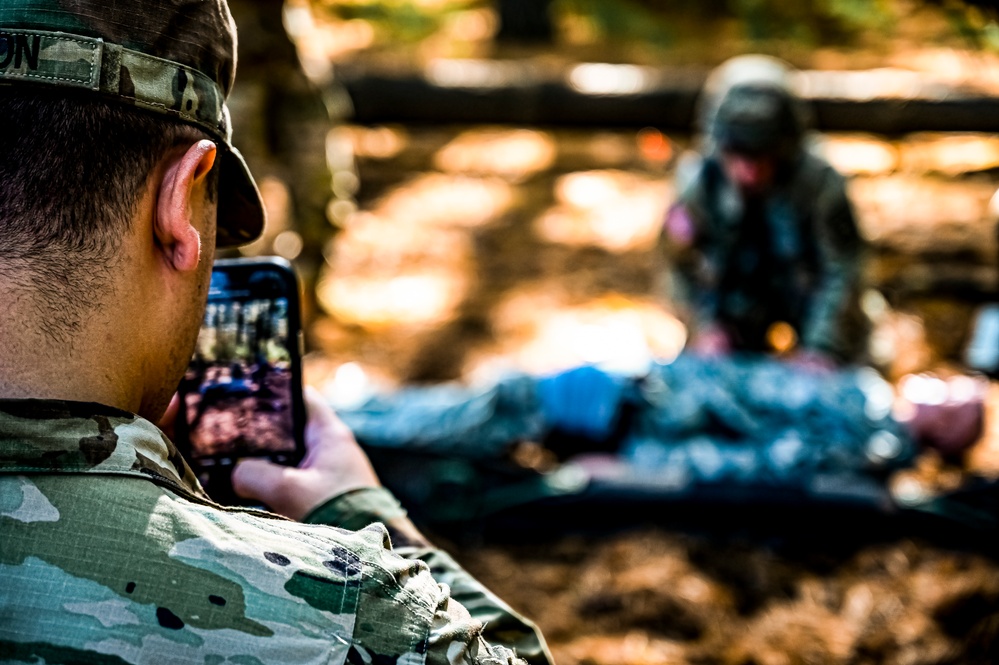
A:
[513,92]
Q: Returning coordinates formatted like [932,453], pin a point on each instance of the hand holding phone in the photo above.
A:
[241,396]
[334,463]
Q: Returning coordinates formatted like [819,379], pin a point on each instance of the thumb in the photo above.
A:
[259,479]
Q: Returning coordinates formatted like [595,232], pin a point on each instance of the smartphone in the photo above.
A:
[242,393]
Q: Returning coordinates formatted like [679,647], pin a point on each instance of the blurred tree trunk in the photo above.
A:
[280,125]
[525,21]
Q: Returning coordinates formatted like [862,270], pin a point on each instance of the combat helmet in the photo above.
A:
[749,106]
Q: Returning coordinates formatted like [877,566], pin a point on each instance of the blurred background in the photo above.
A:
[472,186]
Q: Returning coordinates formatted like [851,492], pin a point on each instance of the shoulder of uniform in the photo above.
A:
[366,555]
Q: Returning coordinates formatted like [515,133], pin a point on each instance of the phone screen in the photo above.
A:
[241,395]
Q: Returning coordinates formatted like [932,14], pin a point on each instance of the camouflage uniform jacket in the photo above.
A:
[110,552]
[808,274]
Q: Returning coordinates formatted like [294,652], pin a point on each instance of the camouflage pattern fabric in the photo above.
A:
[111,553]
[808,274]
[172,56]
[91,63]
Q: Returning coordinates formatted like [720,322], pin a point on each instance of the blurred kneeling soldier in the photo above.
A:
[762,244]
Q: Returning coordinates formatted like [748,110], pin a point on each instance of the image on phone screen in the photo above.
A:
[239,393]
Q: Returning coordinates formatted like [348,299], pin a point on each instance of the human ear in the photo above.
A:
[182,193]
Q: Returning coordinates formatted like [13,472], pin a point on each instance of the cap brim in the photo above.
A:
[241,213]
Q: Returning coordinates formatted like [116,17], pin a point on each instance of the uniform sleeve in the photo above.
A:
[471,622]
[690,272]
[840,251]
[458,638]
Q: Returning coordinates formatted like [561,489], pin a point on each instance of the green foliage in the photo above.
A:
[810,23]
[621,20]
[976,25]
[399,20]
[990,36]
[661,24]
[822,22]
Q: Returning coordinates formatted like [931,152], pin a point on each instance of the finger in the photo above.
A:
[323,421]
[259,479]
[319,409]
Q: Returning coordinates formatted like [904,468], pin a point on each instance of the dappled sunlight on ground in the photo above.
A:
[404,299]
[377,247]
[512,154]
[540,332]
[375,142]
[616,210]
[495,241]
[436,199]
[854,155]
[948,155]
[382,245]
[916,214]
[404,261]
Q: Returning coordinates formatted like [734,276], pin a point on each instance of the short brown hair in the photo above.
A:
[72,170]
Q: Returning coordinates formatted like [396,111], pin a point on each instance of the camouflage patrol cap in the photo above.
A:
[172,57]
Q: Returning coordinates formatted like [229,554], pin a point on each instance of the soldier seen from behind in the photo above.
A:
[118,180]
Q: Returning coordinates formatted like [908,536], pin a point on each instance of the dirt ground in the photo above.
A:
[657,597]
